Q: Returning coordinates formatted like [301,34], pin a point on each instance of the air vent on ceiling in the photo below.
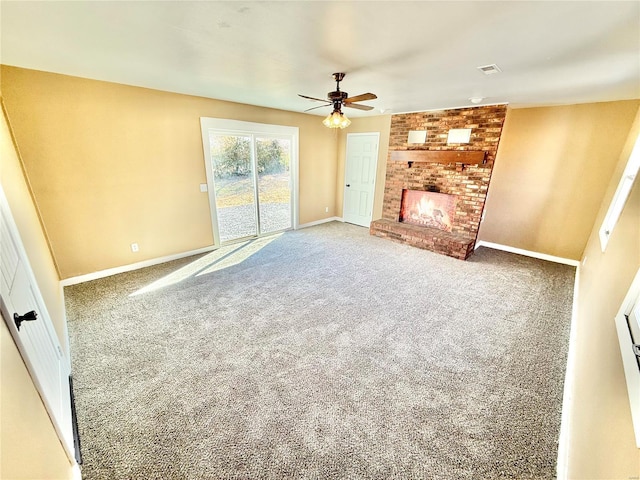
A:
[489,69]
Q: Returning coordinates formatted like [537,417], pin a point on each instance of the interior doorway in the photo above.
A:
[251,176]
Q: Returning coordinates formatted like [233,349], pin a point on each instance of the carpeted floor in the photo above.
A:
[322,353]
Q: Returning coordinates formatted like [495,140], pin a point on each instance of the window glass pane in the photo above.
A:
[618,203]
[274,183]
[621,195]
[233,177]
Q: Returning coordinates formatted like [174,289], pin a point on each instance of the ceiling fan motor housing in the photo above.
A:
[337,95]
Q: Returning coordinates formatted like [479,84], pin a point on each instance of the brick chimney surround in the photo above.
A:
[462,170]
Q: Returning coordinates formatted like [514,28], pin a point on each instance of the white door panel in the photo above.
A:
[8,256]
[360,177]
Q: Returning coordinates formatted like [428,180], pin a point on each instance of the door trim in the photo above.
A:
[235,127]
[629,359]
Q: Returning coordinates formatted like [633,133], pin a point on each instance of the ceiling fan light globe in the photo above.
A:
[336,120]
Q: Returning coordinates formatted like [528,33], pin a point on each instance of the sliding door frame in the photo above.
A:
[220,126]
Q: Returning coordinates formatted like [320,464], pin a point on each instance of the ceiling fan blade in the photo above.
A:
[313,108]
[362,97]
[313,98]
[359,107]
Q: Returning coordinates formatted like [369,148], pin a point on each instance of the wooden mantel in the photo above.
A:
[438,156]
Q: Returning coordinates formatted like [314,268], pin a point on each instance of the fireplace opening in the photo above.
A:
[428,209]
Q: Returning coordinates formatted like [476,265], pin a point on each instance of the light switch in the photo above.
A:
[203,187]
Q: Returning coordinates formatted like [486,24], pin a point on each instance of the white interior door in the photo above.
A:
[360,177]
[36,339]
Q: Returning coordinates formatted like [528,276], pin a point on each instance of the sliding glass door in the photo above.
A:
[274,183]
[234,186]
[251,186]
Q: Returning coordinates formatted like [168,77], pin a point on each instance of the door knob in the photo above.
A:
[348,185]
[27,317]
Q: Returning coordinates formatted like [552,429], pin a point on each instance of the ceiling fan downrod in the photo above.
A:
[337,96]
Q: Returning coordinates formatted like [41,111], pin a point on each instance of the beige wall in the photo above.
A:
[382,125]
[112,164]
[22,206]
[29,446]
[551,171]
[602,440]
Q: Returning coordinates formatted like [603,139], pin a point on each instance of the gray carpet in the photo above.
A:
[322,353]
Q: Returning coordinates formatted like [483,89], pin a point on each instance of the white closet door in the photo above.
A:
[36,340]
[360,177]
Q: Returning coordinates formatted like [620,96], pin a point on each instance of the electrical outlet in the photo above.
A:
[326,209]
[203,187]
[134,247]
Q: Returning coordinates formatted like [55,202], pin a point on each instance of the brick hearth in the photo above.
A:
[451,244]
[469,182]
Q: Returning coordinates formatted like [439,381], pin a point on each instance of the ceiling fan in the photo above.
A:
[338,98]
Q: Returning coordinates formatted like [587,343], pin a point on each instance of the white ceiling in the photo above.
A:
[414,55]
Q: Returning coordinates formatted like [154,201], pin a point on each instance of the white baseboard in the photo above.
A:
[320,222]
[155,261]
[528,253]
[134,266]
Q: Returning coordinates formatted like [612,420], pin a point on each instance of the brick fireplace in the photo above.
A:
[459,171]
